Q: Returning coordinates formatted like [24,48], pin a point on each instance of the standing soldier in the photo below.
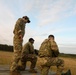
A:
[48,54]
[19,32]
[28,54]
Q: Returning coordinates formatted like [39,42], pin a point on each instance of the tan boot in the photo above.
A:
[15,73]
[21,68]
[32,71]
[66,73]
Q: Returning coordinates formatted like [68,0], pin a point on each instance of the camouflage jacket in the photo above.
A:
[28,48]
[48,49]
[19,27]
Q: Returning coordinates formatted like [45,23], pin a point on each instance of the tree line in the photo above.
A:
[9,48]
[5,47]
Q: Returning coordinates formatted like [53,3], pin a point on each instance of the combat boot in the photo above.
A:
[67,73]
[32,71]
[15,73]
[21,68]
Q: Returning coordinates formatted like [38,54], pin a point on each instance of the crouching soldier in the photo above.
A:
[28,54]
[48,55]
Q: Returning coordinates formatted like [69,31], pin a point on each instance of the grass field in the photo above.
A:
[70,62]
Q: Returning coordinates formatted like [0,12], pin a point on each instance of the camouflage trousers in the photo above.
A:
[28,57]
[47,62]
[17,45]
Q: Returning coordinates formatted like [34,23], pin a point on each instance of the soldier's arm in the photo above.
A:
[18,29]
[55,50]
[32,49]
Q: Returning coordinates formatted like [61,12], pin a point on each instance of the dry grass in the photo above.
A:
[5,57]
[70,63]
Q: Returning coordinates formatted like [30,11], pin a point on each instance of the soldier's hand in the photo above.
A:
[20,37]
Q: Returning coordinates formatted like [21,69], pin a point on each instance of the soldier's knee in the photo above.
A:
[60,65]
[60,62]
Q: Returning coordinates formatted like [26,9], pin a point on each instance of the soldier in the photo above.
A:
[19,32]
[48,54]
[28,54]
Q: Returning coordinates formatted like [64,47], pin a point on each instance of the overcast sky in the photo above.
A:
[57,17]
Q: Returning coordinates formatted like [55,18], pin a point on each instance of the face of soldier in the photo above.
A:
[26,19]
[51,39]
[32,42]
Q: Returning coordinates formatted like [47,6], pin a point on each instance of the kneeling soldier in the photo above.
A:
[28,54]
[48,54]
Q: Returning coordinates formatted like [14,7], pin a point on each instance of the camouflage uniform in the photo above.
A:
[17,43]
[28,54]
[48,55]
